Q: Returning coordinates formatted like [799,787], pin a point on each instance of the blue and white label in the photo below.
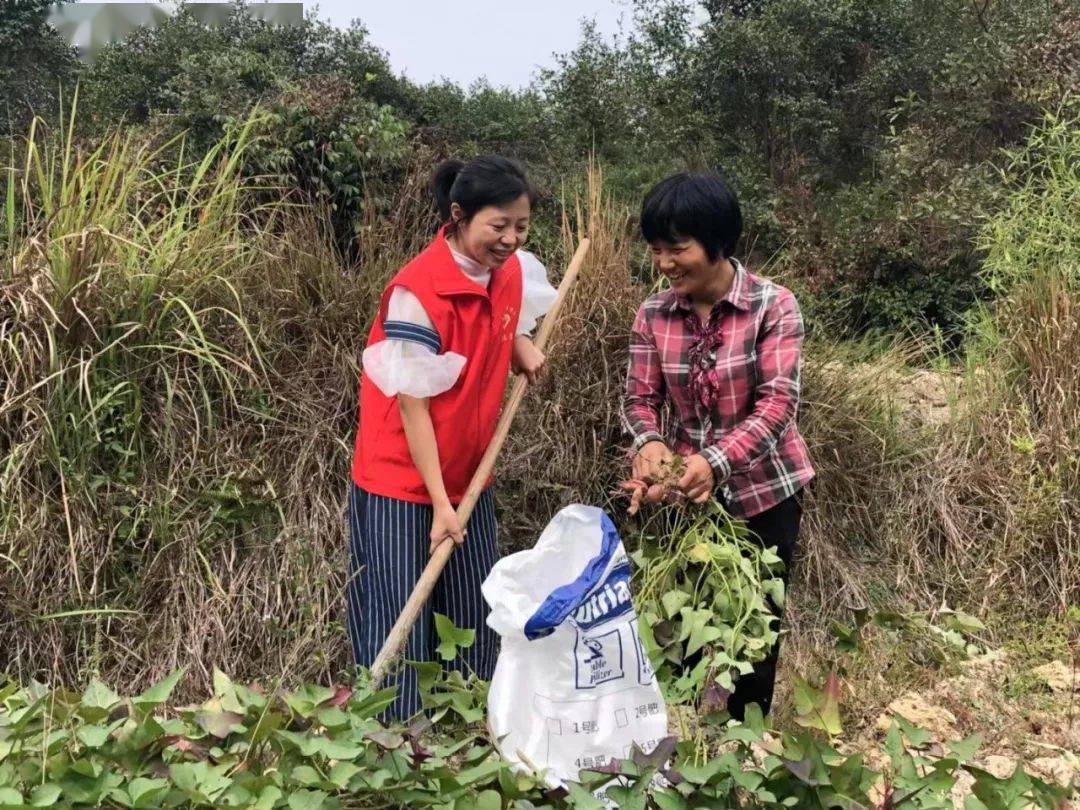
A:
[609,601]
[598,659]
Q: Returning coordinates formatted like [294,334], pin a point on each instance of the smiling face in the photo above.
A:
[494,232]
[688,267]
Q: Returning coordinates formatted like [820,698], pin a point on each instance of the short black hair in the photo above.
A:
[693,205]
[483,181]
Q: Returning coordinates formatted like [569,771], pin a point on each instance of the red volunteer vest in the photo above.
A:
[476,323]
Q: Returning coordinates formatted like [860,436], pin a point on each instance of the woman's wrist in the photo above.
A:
[648,437]
[522,346]
[718,460]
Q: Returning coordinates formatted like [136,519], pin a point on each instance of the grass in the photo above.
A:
[155,319]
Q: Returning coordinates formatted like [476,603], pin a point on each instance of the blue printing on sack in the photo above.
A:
[565,599]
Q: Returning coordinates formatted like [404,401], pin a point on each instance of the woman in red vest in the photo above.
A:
[451,325]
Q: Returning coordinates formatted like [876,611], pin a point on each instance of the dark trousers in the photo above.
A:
[778,527]
[388,541]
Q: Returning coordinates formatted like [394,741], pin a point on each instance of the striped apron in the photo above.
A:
[389,540]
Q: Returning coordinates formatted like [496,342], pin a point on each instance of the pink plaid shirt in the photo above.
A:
[749,437]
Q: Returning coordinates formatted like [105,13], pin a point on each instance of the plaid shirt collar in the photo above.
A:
[738,295]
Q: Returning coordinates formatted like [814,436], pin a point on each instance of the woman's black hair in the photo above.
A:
[693,205]
[483,181]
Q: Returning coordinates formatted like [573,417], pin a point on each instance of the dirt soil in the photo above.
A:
[1028,715]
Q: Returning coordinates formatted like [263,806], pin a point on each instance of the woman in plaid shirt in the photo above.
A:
[722,347]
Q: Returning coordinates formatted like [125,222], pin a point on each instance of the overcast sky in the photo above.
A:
[464,40]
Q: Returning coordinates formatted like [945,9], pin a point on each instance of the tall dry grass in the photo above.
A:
[174,417]
[1015,452]
[566,446]
[982,510]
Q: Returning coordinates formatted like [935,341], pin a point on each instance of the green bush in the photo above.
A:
[858,134]
[35,64]
[334,133]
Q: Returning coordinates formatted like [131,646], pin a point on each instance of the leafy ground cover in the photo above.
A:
[264,746]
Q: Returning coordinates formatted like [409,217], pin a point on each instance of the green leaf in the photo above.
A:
[342,749]
[917,737]
[770,557]
[213,719]
[186,775]
[819,709]
[87,767]
[754,719]
[847,637]
[669,800]
[964,623]
[307,700]
[628,798]
[451,637]
[894,745]
[267,723]
[217,780]
[92,736]
[305,775]
[308,744]
[707,772]
[748,780]
[10,797]
[146,792]
[236,796]
[774,589]
[342,773]
[942,778]
[489,800]
[847,780]
[97,701]
[464,704]
[45,795]
[140,735]
[159,692]
[736,733]
[223,684]
[373,704]
[333,719]
[965,749]
[384,738]
[307,799]
[269,796]
[581,798]
[697,629]
[673,602]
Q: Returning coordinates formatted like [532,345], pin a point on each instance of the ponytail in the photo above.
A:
[483,181]
[443,183]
